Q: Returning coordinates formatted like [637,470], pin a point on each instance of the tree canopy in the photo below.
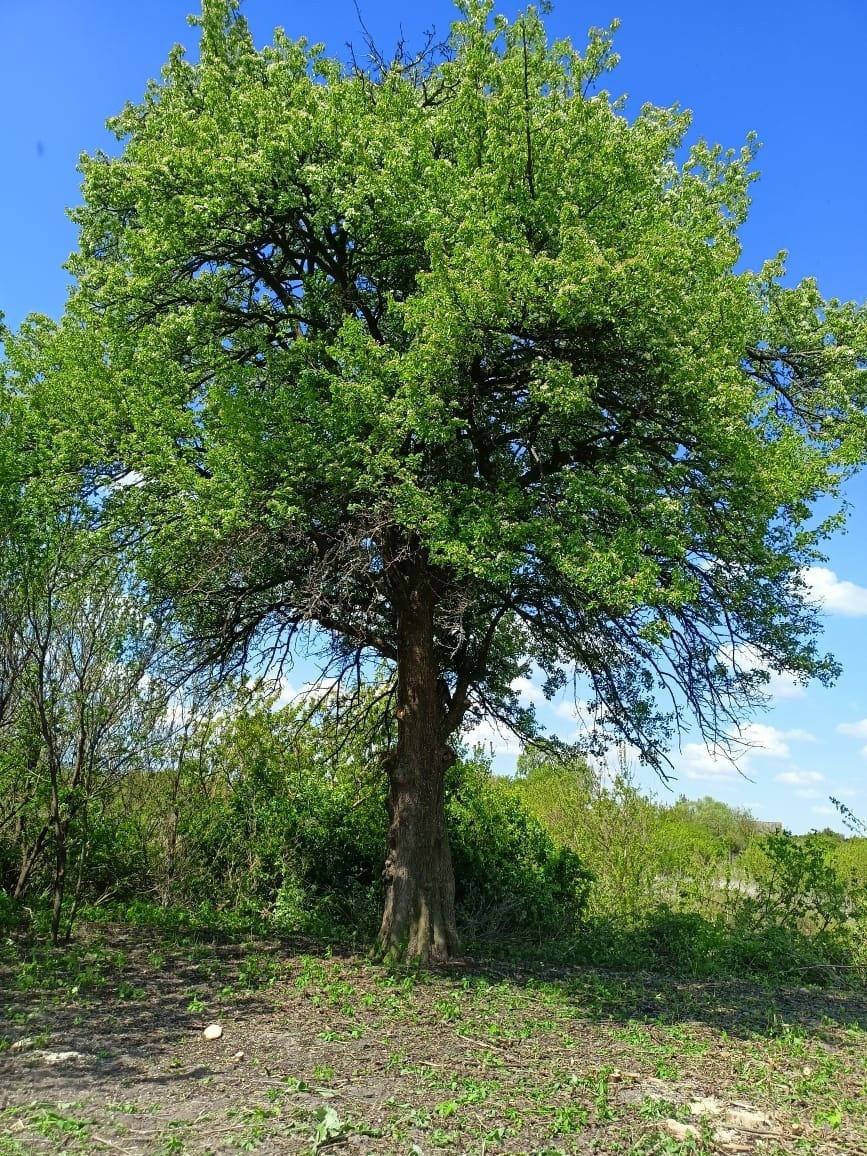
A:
[448,359]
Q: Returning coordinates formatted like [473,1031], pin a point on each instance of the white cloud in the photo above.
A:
[701,764]
[835,595]
[799,778]
[759,740]
[580,711]
[783,686]
[288,694]
[527,690]
[857,730]
[825,810]
[494,739]
[796,735]
[766,741]
[566,710]
[130,478]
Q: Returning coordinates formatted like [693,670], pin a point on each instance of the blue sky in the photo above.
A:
[794,76]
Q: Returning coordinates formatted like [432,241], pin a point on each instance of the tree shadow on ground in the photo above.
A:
[133,1001]
[740,1007]
[310,1026]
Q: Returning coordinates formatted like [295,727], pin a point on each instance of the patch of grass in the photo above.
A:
[11,1147]
[51,1122]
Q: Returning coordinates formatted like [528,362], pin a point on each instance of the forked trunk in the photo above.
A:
[418,921]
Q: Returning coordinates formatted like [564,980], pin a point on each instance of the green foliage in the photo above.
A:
[296,833]
[269,827]
[697,887]
[798,884]
[513,879]
[729,829]
[628,842]
[461,315]
[10,912]
[82,703]
[454,333]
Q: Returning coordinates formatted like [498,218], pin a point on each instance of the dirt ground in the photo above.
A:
[102,1050]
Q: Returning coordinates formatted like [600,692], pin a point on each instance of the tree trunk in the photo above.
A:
[58,886]
[418,921]
[29,858]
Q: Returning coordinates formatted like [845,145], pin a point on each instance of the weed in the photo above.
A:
[55,1126]
[171,1144]
[129,991]
[329,1128]
[570,1119]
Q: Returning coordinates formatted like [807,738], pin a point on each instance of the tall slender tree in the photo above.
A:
[447,359]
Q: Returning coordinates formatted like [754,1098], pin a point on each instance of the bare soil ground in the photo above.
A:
[102,1050]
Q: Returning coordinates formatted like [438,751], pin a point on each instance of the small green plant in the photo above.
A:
[329,1128]
[129,991]
[171,1144]
[570,1119]
[604,1111]
[447,1108]
[55,1126]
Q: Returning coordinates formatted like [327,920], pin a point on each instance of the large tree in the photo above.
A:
[446,361]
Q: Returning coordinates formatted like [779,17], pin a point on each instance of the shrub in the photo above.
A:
[797,885]
[10,912]
[512,878]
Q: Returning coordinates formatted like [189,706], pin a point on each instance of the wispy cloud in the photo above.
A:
[766,741]
[702,765]
[566,710]
[835,595]
[799,778]
[127,479]
[528,691]
[287,693]
[758,740]
[857,730]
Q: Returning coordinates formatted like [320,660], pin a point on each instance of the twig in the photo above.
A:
[109,1143]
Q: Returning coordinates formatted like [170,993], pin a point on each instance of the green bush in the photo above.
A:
[797,885]
[268,829]
[638,852]
[10,912]
[512,878]
[696,887]
[271,826]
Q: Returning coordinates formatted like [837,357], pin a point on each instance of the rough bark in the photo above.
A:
[418,921]
[29,859]
[58,885]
